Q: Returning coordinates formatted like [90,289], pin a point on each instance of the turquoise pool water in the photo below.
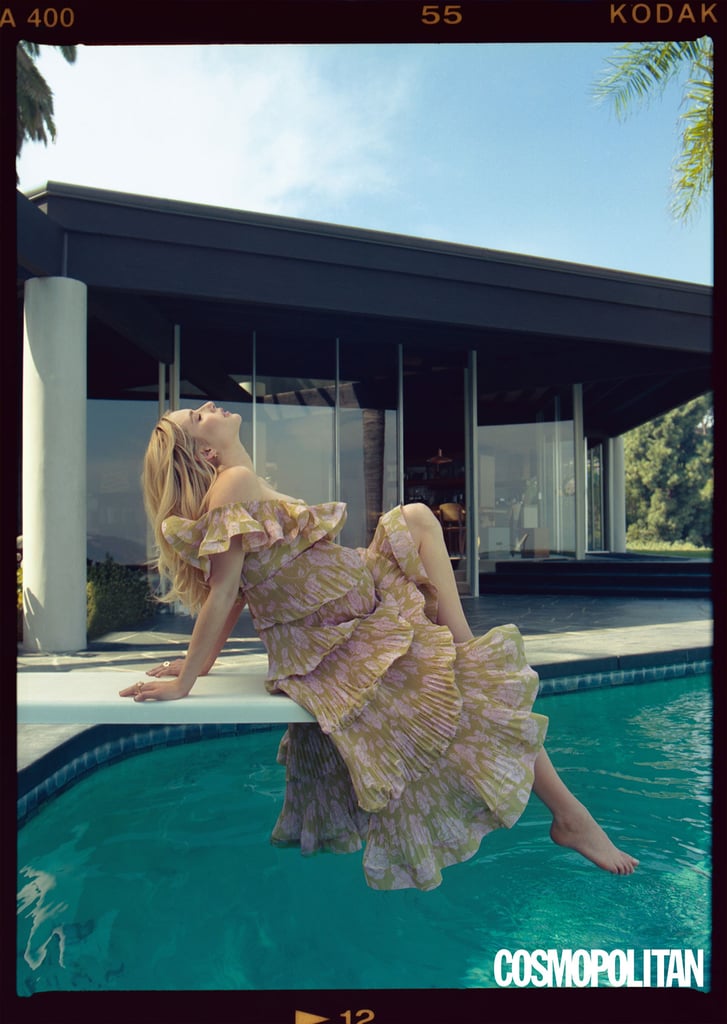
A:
[156,872]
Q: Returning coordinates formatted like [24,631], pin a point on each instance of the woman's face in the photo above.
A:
[209,425]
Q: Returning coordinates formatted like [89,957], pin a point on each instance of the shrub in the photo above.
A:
[118,598]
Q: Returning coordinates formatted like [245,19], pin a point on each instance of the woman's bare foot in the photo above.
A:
[579,831]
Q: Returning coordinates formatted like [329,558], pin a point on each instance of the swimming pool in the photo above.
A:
[157,873]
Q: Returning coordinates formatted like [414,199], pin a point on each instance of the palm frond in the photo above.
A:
[641,71]
[33,50]
[34,103]
[694,169]
[34,120]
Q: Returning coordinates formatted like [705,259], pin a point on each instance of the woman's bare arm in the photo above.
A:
[174,668]
[210,624]
[217,615]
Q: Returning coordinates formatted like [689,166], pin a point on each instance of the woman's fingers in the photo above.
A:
[152,691]
[142,691]
[167,668]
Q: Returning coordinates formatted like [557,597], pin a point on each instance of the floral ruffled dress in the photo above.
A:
[421,746]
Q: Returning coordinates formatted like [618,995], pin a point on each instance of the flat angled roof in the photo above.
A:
[271,222]
[533,321]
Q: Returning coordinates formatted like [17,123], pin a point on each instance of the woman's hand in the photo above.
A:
[155,691]
[219,611]
[170,668]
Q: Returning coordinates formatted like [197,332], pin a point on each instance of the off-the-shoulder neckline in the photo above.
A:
[256,502]
[277,501]
[263,501]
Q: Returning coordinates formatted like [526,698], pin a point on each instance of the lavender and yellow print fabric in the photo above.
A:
[421,746]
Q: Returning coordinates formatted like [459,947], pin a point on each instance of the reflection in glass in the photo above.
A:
[526,490]
[294,445]
[595,476]
[118,433]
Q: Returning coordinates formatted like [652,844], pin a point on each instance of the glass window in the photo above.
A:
[121,410]
[117,436]
[296,398]
[595,479]
[526,475]
[217,367]
[294,426]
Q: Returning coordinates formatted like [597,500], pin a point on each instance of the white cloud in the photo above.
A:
[441,141]
[260,128]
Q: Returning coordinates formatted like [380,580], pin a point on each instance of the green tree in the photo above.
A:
[638,72]
[669,478]
[34,96]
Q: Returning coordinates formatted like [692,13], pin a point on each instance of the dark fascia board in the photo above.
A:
[437,304]
[420,265]
[498,265]
[40,241]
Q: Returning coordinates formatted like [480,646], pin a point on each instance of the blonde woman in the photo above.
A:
[425,739]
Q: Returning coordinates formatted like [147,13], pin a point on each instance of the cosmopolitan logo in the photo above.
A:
[663,14]
[588,968]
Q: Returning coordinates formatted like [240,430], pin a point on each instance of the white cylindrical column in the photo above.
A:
[616,490]
[54,465]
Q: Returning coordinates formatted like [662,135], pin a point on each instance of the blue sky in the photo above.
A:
[494,145]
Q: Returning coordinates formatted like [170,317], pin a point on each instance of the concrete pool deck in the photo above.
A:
[569,640]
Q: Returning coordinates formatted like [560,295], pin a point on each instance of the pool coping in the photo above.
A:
[94,746]
[617,670]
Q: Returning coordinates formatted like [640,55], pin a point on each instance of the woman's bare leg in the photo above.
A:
[573,826]
[429,539]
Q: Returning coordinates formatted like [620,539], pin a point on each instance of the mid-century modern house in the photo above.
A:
[368,367]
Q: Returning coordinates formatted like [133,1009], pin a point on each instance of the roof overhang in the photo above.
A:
[151,263]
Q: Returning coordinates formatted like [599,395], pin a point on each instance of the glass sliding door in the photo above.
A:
[526,484]
[117,435]
[295,391]
[121,409]
[595,496]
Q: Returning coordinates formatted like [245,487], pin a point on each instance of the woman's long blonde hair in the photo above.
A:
[175,482]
